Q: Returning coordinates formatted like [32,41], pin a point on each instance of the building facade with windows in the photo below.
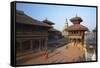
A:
[31,34]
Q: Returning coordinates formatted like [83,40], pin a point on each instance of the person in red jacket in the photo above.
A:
[46,53]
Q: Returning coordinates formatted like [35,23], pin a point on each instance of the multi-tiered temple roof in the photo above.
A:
[22,18]
[76,24]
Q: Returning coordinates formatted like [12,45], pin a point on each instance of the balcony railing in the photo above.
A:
[80,37]
[75,34]
[32,33]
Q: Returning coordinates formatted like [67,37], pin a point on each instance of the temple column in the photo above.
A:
[39,45]
[83,40]
[20,43]
[46,43]
[31,44]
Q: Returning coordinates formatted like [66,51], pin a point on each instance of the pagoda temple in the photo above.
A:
[65,32]
[77,31]
[52,32]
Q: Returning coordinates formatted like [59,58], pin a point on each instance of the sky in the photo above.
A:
[58,14]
